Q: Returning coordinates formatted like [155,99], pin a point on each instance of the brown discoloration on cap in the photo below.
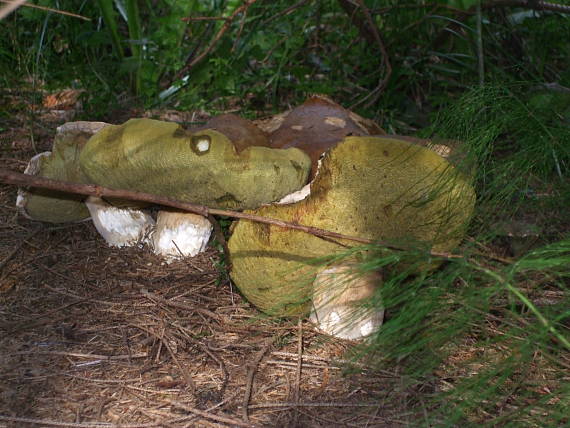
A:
[317,125]
[241,132]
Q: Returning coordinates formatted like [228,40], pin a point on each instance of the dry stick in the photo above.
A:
[80,355]
[238,35]
[299,367]
[285,12]
[369,31]
[310,404]
[186,336]
[204,18]
[47,9]
[462,15]
[158,299]
[43,422]
[10,7]
[16,178]
[228,21]
[385,58]
[162,340]
[251,375]
[210,415]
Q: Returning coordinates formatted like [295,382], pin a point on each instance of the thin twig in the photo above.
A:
[297,395]
[309,404]
[158,299]
[215,40]
[189,381]
[210,415]
[462,15]
[285,12]
[204,18]
[295,365]
[45,8]
[10,7]
[385,58]
[251,375]
[185,334]
[12,177]
[80,355]
[43,422]
[369,31]
[480,54]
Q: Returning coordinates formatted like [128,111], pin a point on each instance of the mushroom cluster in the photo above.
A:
[319,165]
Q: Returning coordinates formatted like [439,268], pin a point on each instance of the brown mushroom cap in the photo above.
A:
[241,132]
[317,125]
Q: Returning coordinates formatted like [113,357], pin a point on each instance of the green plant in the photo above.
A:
[480,332]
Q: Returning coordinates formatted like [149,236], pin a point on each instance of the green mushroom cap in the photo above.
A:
[61,164]
[202,167]
[370,187]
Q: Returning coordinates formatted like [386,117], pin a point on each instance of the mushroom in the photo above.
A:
[380,188]
[202,166]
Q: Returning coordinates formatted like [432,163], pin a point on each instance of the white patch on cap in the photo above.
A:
[441,149]
[297,127]
[297,196]
[203,145]
[83,126]
[302,193]
[335,121]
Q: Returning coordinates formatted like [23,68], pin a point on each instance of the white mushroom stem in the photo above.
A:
[180,234]
[119,226]
[339,292]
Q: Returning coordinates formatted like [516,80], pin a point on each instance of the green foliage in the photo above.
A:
[479,332]
[267,59]
[519,135]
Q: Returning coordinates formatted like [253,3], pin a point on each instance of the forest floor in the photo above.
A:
[98,336]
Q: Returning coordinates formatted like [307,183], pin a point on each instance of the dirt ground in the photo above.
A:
[96,336]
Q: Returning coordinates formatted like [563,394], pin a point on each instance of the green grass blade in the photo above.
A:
[135,36]
[110,19]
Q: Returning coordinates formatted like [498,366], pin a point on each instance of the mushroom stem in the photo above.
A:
[339,294]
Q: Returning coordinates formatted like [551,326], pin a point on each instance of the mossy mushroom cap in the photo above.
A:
[202,167]
[370,187]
